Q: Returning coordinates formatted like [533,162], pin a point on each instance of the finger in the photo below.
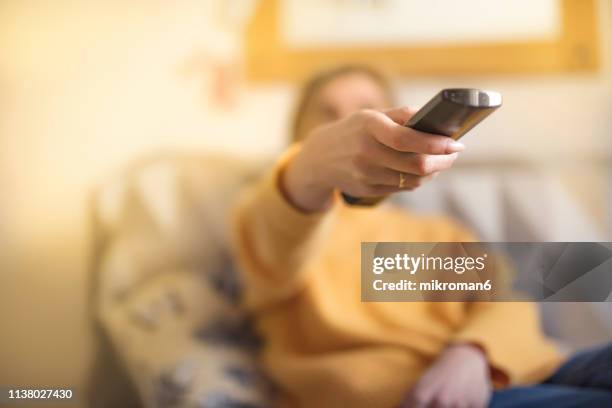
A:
[443,401]
[400,115]
[421,395]
[367,191]
[411,163]
[382,176]
[377,175]
[405,139]
[413,400]
[410,181]
[413,182]
[426,165]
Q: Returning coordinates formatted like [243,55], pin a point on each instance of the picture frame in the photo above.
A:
[574,50]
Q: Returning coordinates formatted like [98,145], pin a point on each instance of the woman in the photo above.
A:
[298,245]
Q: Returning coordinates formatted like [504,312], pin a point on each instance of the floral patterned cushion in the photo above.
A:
[166,293]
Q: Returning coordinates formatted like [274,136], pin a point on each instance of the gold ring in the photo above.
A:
[402,180]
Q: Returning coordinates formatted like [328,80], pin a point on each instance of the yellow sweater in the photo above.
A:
[326,348]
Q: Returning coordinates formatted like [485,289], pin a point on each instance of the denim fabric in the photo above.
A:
[585,380]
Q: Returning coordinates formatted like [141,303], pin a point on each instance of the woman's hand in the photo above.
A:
[365,155]
[458,379]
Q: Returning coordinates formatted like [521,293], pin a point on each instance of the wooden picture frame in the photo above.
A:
[575,50]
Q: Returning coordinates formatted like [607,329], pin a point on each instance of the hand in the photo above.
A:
[363,155]
[458,379]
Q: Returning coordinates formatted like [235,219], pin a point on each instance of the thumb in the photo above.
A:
[400,115]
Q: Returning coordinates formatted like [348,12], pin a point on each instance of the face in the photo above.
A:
[340,97]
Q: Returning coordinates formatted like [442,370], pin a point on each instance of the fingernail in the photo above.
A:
[456,146]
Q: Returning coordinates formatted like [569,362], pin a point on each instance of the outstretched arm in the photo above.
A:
[282,218]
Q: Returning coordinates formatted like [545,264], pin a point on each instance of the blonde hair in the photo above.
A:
[312,86]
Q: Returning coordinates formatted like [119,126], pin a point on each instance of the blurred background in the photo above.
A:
[88,87]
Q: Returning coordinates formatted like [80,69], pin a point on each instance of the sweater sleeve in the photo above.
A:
[274,240]
[509,334]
